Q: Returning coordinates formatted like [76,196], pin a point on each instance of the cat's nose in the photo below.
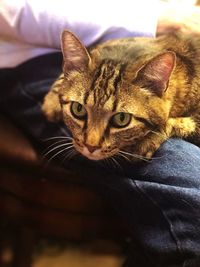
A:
[91,149]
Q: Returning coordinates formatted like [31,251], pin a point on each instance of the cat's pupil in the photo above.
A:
[122,117]
[79,108]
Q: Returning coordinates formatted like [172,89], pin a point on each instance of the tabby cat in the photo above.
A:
[126,97]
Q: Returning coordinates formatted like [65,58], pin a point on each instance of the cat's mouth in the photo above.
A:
[92,155]
[95,155]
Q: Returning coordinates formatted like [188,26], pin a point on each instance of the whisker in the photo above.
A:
[57,137]
[112,164]
[116,163]
[123,156]
[106,161]
[69,155]
[135,156]
[52,145]
[140,157]
[51,150]
[59,152]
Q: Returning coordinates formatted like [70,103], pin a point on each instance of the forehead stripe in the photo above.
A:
[103,87]
[116,82]
[105,83]
[95,78]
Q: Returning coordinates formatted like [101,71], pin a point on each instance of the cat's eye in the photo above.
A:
[78,111]
[121,120]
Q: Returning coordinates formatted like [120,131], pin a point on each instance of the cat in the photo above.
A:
[127,96]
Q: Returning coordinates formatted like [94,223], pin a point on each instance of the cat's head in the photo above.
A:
[109,104]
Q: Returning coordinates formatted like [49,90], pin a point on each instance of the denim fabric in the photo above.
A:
[161,204]
[22,90]
[159,200]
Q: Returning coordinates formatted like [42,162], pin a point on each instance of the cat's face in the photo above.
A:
[106,104]
[103,123]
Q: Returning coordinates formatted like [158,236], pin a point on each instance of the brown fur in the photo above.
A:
[157,81]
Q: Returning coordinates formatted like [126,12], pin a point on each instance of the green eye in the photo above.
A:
[78,111]
[121,120]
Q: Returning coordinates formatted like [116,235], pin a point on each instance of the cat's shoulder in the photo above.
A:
[134,47]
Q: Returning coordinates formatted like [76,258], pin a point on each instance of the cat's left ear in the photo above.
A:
[156,73]
[76,56]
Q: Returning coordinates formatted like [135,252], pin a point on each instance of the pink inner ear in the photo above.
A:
[163,66]
[75,54]
[156,73]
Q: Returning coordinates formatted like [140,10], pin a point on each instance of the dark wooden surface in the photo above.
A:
[62,206]
[44,201]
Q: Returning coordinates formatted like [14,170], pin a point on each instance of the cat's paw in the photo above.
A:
[180,127]
[51,107]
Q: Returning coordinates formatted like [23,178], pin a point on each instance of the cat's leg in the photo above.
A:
[182,127]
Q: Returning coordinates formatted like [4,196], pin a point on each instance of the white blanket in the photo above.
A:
[29,28]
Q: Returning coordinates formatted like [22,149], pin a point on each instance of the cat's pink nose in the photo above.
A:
[90,148]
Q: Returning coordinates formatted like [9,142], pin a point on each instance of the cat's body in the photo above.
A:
[128,96]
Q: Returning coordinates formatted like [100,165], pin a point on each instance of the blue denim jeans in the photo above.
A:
[159,200]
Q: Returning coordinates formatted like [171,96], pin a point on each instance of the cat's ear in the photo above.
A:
[75,54]
[156,73]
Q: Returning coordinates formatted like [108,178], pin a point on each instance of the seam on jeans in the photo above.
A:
[39,105]
[164,215]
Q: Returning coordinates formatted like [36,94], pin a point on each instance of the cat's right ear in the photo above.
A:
[75,55]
